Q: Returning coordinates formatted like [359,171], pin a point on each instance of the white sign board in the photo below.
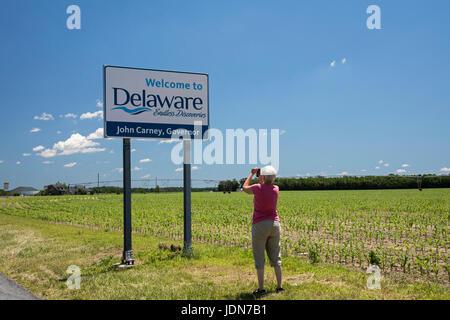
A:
[145,103]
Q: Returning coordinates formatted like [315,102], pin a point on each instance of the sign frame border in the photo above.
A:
[205,136]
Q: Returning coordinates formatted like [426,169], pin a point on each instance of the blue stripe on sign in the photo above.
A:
[150,130]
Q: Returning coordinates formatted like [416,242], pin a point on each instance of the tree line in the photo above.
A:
[302,183]
[349,182]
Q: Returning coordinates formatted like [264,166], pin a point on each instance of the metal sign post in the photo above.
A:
[187,248]
[127,255]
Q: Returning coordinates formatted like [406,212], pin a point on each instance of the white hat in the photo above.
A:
[268,171]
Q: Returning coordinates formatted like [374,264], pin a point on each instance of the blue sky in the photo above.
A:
[270,65]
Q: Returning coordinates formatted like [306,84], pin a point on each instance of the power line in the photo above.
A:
[210,181]
[98,182]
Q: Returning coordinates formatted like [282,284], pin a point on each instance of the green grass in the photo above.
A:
[406,230]
[36,254]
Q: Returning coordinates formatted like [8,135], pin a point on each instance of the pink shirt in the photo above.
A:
[265,202]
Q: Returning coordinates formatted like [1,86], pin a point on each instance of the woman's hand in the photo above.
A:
[246,187]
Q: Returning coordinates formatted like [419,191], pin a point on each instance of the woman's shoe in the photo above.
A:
[279,290]
[259,292]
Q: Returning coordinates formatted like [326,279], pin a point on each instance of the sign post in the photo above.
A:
[127,255]
[187,248]
[155,104]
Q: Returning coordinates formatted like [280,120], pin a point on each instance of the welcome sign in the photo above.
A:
[146,103]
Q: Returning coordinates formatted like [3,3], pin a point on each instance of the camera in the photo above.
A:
[258,172]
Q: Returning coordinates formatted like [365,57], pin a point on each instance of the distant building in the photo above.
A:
[78,189]
[24,191]
[55,189]
[59,189]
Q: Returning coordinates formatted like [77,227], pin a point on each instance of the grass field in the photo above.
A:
[36,254]
[405,230]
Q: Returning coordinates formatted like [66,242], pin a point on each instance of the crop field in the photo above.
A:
[404,231]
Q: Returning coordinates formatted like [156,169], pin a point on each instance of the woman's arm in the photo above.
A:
[246,187]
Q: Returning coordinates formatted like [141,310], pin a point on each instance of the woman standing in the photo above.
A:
[266,228]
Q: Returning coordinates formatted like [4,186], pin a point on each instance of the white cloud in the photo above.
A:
[380,162]
[400,171]
[179,169]
[99,103]
[89,115]
[146,176]
[376,168]
[386,164]
[333,63]
[44,116]
[136,169]
[35,130]
[47,162]
[77,143]
[70,115]
[405,165]
[47,153]
[98,134]
[118,169]
[170,141]
[18,162]
[194,168]
[282,132]
[58,132]
[344,60]
[343,173]
[363,170]
[133,150]
[145,160]
[70,165]
[445,169]
[38,148]
[26,154]
[1,161]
